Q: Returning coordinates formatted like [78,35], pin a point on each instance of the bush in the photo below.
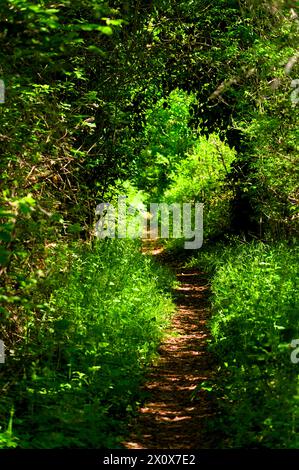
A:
[167,136]
[203,176]
[96,327]
[255,316]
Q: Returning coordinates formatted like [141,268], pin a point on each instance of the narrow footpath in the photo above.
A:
[175,414]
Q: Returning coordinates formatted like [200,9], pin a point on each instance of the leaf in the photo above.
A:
[96,50]
[4,256]
[95,27]
[74,228]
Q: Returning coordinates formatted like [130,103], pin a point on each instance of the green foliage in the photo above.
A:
[79,355]
[254,319]
[188,101]
[49,121]
[267,120]
[7,439]
[168,136]
[203,176]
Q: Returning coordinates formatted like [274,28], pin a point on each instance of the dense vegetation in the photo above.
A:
[85,348]
[255,319]
[163,101]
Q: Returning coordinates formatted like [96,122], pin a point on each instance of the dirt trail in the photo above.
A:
[174,416]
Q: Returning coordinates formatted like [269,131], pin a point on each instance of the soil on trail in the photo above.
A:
[174,415]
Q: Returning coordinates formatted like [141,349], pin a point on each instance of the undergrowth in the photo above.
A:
[254,319]
[99,317]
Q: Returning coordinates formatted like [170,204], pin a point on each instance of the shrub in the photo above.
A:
[202,176]
[254,318]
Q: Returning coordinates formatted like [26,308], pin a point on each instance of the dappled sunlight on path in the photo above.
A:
[174,414]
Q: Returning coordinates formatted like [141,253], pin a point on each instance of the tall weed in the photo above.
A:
[255,301]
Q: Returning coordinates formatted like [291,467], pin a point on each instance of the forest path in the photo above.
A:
[173,417]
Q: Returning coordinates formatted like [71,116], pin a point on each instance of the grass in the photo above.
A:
[255,302]
[99,318]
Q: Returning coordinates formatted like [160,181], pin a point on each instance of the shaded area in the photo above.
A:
[174,414]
